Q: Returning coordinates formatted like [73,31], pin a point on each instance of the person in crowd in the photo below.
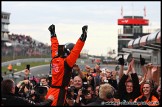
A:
[121,69]
[106,96]
[147,97]
[78,83]
[71,82]
[83,98]
[41,89]
[69,101]
[9,67]
[111,78]
[44,81]
[27,72]
[97,78]
[78,72]
[129,89]
[10,99]
[96,91]
[150,75]
[90,79]
[62,65]
[158,90]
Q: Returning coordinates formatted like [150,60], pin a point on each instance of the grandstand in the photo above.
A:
[19,45]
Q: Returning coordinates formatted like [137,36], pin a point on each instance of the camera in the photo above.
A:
[41,90]
[69,92]
[28,66]
[106,81]
[84,88]
[50,79]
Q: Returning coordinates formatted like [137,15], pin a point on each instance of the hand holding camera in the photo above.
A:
[121,60]
[51,97]
[142,61]
[80,92]
[28,66]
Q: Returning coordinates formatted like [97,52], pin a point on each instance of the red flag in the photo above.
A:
[122,11]
[144,11]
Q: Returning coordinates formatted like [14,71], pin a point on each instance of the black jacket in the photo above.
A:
[113,83]
[12,100]
[123,95]
[98,102]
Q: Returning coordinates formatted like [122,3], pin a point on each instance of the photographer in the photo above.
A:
[84,95]
[24,88]
[10,99]
[40,93]
[70,97]
[62,64]
[78,83]
[88,95]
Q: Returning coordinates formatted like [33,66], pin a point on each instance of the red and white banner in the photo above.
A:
[128,21]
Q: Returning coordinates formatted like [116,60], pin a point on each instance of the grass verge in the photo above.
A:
[22,66]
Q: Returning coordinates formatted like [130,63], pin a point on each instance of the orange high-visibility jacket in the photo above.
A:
[154,101]
[61,71]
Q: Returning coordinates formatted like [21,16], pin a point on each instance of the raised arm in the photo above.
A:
[142,62]
[75,52]
[121,63]
[135,79]
[54,41]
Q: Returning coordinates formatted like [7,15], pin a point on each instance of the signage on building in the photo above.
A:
[133,21]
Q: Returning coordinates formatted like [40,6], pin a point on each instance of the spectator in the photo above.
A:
[97,91]
[77,85]
[9,98]
[27,72]
[147,98]
[158,90]
[106,96]
[111,78]
[44,81]
[128,90]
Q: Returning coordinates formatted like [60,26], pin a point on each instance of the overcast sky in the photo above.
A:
[34,18]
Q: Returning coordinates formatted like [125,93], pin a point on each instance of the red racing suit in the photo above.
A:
[61,71]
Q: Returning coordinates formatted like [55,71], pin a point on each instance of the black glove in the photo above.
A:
[142,60]
[84,33]
[52,30]
[121,60]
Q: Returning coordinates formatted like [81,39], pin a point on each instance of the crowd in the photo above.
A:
[68,85]
[24,46]
[91,87]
